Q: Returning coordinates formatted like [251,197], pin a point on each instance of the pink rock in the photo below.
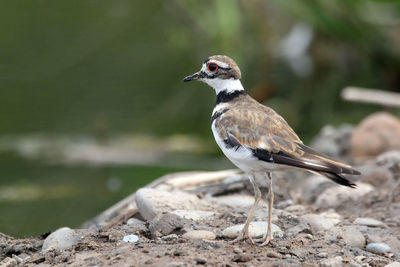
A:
[377,133]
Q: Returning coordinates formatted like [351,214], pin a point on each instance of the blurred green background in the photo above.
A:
[92,105]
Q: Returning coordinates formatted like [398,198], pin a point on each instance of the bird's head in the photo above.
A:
[219,72]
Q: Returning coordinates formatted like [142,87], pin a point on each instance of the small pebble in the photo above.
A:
[284,204]
[150,261]
[200,260]
[178,253]
[295,209]
[332,262]
[241,258]
[273,254]
[172,237]
[378,248]
[322,255]
[237,250]
[130,238]
[199,234]
[309,236]
[369,222]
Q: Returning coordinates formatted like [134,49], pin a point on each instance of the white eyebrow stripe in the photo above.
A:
[219,63]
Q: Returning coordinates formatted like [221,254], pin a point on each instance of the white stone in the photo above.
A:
[8,262]
[240,201]
[321,222]
[61,239]
[369,222]
[378,248]
[194,215]
[352,237]
[130,238]
[152,202]
[256,230]
[332,262]
[334,217]
[337,195]
[199,234]
[393,264]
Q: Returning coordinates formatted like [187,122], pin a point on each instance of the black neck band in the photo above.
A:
[224,96]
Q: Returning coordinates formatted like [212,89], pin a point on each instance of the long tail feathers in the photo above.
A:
[338,178]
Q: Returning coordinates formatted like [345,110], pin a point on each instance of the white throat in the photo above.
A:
[228,85]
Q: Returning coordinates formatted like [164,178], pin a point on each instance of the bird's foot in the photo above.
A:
[265,240]
[242,236]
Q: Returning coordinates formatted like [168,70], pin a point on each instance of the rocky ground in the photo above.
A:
[188,219]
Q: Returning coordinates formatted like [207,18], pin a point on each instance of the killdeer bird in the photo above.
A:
[257,139]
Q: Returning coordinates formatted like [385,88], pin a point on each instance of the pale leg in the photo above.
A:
[269,237]
[257,197]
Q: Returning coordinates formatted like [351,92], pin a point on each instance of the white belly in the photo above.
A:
[243,157]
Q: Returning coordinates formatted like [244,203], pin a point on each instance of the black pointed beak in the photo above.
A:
[194,76]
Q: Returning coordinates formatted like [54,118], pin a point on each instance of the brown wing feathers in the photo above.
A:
[272,140]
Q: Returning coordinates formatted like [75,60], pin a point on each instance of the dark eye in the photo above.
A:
[212,67]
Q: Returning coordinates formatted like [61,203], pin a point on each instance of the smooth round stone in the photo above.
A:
[130,238]
[352,237]
[256,230]
[378,248]
[153,202]
[369,222]
[199,234]
[332,262]
[320,222]
[61,239]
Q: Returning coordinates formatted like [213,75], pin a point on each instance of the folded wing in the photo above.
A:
[271,139]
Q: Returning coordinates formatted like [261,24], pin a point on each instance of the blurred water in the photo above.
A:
[37,197]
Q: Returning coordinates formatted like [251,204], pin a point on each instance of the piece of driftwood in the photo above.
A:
[373,96]
[127,208]
[194,179]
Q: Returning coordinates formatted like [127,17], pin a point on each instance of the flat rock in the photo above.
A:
[335,196]
[332,262]
[256,230]
[135,225]
[352,237]
[8,262]
[378,248]
[199,234]
[152,202]
[194,215]
[61,239]
[165,224]
[369,222]
[393,264]
[321,222]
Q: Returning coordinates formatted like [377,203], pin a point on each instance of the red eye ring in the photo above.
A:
[212,67]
